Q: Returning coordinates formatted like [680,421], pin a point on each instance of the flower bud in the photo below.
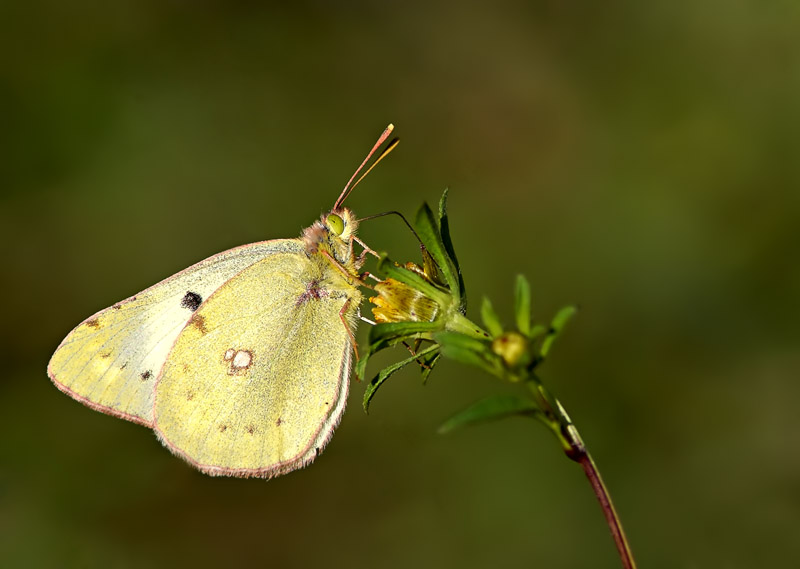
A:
[512,347]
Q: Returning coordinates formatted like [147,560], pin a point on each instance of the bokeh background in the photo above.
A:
[637,158]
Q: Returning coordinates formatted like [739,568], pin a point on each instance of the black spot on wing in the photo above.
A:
[146,375]
[191,300]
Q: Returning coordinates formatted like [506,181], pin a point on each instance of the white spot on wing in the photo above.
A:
[242,359]
[239,361]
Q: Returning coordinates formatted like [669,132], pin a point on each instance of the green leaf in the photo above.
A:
[489,409]
[522,305]
[386,372]
[469,351]
[444,229]
[537,331]
[428,231]
[490,318]
[556,326]
[389,333]
[450,338]
[361,366]
[428,362]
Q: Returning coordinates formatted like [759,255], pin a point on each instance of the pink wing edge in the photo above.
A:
[109,410]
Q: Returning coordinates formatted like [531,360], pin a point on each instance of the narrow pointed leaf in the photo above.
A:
[390,333]
[426,359]
[556,326]
[429,361]
[471,358]
[522,305]
[489,409]
[388,371]
[444,230]
[490,318]
[537,330]
[428,231]
[469,351]
[449,338]
[387,334]
[361,366]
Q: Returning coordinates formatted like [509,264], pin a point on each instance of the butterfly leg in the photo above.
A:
[363,279]
[415,350]
[366,250]
[342,316]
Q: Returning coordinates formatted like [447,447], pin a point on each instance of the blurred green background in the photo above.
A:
[637,158]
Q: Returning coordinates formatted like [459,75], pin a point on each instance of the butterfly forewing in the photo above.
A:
[111,361]
[256,383]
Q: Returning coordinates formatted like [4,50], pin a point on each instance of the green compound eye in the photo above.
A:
[335,223]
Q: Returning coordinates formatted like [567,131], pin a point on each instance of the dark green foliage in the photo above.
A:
[377,381]
[489,409]
[444,230]
[508,355]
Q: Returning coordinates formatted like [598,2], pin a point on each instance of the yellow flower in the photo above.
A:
[398,302]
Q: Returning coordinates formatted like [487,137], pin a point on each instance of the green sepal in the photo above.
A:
[428,230]
[522,305]
[490,318]
[490,409]
[556,326]
[444,230]
[388,371]
[469,351]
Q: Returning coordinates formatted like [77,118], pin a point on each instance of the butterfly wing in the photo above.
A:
[111,361]
[256,386]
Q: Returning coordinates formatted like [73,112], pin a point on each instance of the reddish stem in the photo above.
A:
[557,419]
[580,455]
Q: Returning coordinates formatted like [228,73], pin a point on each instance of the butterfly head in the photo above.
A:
[333,234]
[341,223]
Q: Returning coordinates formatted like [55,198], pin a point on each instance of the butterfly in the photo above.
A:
[240,363]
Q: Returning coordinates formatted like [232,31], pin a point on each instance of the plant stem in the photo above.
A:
[580,454]
[575,449]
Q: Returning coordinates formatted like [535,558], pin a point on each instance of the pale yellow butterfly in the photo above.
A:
[240,363]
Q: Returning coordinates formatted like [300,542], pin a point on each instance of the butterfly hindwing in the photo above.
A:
[256,383]
[111,361]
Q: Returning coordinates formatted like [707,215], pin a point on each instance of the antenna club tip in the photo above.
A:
[390,128]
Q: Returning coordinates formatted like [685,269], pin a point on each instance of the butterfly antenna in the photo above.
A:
[397,213]
[350,185]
